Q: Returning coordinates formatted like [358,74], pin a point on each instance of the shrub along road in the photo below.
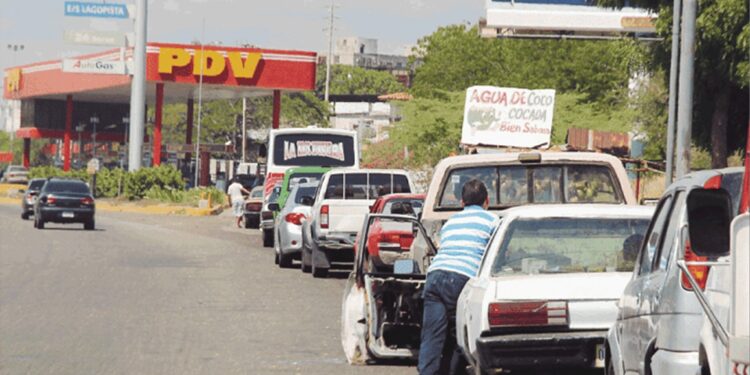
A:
[161,295]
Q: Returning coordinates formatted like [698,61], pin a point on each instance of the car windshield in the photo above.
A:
[36,184]
[77,187]
[298,178]
[564,245]
[520,184]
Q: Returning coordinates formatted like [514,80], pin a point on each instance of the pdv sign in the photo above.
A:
[213,62]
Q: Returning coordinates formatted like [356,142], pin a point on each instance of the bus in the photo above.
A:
[308,147]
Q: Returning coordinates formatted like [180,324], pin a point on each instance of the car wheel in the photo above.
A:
[305,261]
[267,238]
[318,272]
[246,221]
[285,260]
[25,216]
[39,224]
[276,250]
[89,224]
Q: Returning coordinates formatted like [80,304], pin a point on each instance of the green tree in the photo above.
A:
[722,70]
[353,80]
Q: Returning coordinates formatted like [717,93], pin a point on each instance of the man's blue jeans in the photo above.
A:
[438,353]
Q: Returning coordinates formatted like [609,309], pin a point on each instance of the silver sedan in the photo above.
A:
[288,241]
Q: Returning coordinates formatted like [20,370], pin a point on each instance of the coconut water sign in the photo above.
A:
[511,117]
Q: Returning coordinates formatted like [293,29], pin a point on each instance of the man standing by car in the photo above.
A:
[463,240]
[236,199]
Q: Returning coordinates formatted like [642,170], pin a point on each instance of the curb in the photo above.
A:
[150,210]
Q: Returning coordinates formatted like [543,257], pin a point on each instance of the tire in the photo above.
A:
[285,260]
[276,250]
[89,224]
[319,273]
[25,216]
[39,224]
[246,221]
[267,238]
[305,263]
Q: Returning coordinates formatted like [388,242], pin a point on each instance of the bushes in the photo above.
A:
[111,183]
[191,196]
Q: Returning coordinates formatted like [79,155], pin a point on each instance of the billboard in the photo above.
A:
[509,117]
[93,66]
[567,17]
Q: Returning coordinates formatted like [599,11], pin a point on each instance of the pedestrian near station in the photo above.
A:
[463,240]
[236,197]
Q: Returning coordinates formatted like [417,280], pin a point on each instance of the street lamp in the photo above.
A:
[94,120]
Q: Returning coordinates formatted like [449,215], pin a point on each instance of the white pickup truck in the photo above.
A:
[343,199]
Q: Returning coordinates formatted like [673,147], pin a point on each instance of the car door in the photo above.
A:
[631,325]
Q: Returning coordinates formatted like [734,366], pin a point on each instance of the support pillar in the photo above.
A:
[68,131]
[189,129]
[276,108]
[26,152]
[157,124]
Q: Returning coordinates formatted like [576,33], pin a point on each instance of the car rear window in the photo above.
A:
[416,205]
[298,178]
[365,185]
[520,184]
[563,245]
[304,192]
[67,187]
[36,184]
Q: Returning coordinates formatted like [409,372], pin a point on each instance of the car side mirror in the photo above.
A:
[273,207]
[307,200]
[709,214]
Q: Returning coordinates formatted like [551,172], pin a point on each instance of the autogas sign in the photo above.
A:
[102,10]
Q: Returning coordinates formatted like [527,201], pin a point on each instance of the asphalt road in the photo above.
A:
[161,295]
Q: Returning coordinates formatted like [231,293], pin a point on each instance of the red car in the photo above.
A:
[388,240]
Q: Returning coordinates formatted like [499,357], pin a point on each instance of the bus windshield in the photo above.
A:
[308,149]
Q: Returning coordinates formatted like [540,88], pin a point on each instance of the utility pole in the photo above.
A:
[673,69]
[200,107]
[244,129]
[330,52]
[138,88]
[685,93]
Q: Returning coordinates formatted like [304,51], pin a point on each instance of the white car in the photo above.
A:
[288,228]
[547,288]
[341,203]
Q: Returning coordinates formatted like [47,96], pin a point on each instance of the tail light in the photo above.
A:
[324,216]
[294,218]
[396,239]
[87,201]
[51,199]
[713,182]
[699,273]
[254,206]
[528,313]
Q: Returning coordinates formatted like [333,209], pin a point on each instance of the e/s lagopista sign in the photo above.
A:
[105,10]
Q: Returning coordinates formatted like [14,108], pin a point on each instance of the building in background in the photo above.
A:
[363,53]
[369,115]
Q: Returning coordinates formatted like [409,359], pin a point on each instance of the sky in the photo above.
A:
[281,24]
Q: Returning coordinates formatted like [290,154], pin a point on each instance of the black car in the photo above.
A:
[64,201]
[29,197]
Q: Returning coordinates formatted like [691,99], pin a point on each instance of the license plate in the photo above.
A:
[599,355]
[68,215]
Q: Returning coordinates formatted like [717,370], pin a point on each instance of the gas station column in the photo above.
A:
[26,152]
[276,108]
[68,131]
[157,124]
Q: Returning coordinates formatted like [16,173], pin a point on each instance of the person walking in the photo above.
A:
[463,240]
[236,199]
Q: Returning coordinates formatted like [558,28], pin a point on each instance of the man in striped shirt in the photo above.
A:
[463,240]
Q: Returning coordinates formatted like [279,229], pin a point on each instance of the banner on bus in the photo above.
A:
[510,117]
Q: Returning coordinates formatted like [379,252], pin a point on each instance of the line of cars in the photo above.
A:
[577,276]
[58,200]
